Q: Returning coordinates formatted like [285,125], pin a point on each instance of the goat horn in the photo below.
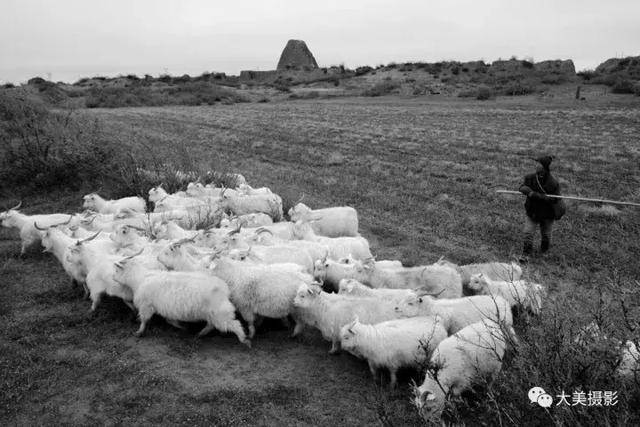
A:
[35,224]
[183,241]
[263,230]
[90,237]
[16,206]
[134,255]
[62,223]
[300,200]
[135,227]
[235,230]
[89,221]
[431,294]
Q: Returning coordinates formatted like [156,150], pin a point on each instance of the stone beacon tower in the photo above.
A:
[296,56]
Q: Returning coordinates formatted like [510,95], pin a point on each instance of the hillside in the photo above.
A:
[475,79]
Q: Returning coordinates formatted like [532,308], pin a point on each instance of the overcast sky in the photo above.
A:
[69,39]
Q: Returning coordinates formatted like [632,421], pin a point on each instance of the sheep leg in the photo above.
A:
[297,330]
[299,325]
[210,327]
[174,323]
[394,377]
[335,347]
[145,314]
[285,322]
[374,372]
[95,300]
[227,322]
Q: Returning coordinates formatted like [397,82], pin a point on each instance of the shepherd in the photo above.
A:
[541,209]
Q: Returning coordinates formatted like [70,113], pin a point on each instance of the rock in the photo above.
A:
[296,55]
[557,66]
[629,66]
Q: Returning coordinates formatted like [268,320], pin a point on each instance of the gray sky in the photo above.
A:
[77,38]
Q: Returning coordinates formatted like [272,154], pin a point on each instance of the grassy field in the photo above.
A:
[422,175]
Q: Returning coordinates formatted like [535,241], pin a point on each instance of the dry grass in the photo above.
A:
[422,176]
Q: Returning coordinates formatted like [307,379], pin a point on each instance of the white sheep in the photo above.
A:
[96,203]
[169,230]
[493,270]
[179,296]
[439,279]
[330,312]
[253,220]
[341,221]
[340,247]
[158,193]
[352,287]
[265,290]
[473,352]
[29,235]
[518,293]
[270,204]
[247,190]
[95,264]
[393,344]
[277,254]
[459,312]
[55,241]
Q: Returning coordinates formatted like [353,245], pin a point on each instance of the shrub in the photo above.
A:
[587,75]
[548,356]
[622,85]
[41,149]
[519,87]
[189,93]
[363,70]
[484,92]
[382,88]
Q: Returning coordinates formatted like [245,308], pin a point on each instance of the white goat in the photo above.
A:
[439,279]
[330,312]
[253,220]
[96,264]
[459,312]
[179,296]
[270,204]
[96,203]
[341,221]
[247,190]
[393,344]
[352,287]
[29,235]
[518,293]
[473,352]
[265,290]
[277,254]
[55,241]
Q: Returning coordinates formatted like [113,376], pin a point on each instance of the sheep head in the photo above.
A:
[429,398]
[477,283]
[8,217]
[306,294]
[409,306]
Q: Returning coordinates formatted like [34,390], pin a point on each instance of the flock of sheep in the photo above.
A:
[315,269]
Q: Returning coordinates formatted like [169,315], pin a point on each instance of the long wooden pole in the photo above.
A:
[581,199]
